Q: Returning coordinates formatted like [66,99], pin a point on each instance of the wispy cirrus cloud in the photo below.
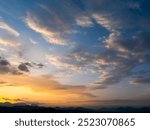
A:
[9,29]
[33,41]
[49,35]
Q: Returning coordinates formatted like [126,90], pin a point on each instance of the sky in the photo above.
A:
[75,52]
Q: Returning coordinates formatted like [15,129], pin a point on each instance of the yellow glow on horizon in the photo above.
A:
[39,90]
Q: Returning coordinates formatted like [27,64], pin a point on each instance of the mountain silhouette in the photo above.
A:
[33,108]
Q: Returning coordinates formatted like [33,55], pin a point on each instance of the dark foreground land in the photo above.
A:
[40,109]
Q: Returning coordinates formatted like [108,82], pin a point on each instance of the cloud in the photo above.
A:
[8,67]
[23,67]
[49,35]
[84,21]
[45,82]
[112,65]
[135,43]
[4,62]
[10,100]
[62,63]
[44,90]
[117,61]
[9,29]
[105,22]
[39,65]
[115,16]
[76,62]
[33,41]
[2,82]
[9,41]
[140,79]
[126,47]
[62,23]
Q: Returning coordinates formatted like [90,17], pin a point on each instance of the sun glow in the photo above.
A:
[40,90]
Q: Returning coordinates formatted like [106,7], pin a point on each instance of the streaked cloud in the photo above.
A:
[33,41]
[61,63]
[51,36]
[9,41]
[143,78]
[84,21]
[9,29]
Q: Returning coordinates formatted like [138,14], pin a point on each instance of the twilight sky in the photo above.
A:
[75,52]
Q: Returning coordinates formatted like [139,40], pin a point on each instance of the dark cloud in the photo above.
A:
[17,100]
[28,64]
[7,67]
[39,65]
[6,99]
[4,62]
[143,78]
[23,67]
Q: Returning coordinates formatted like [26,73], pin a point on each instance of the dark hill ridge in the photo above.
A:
[23,108]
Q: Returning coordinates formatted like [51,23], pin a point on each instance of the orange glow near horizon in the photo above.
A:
[40,90]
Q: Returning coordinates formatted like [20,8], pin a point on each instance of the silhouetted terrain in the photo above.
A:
[23,108]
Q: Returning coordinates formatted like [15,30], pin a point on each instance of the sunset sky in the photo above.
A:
[75,52]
